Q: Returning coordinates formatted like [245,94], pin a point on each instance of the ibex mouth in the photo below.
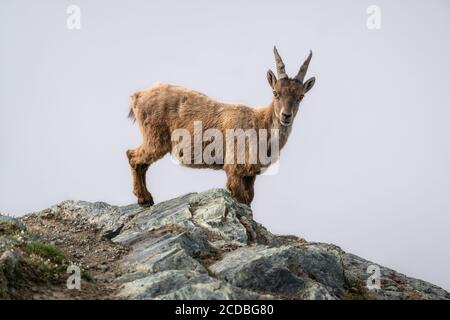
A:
[285,123]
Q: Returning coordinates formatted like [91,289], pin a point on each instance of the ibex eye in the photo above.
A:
[276,94]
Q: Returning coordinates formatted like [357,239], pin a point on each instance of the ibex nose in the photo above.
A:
[286,116]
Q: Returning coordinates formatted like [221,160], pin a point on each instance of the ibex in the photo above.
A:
[163,108]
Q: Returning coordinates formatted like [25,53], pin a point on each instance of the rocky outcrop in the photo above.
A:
[207,246]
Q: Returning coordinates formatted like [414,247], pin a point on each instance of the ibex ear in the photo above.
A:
[271,78]
[309,84]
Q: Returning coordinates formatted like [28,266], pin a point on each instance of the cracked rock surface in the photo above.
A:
[208,246]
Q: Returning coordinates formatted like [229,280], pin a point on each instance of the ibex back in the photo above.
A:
[163,108]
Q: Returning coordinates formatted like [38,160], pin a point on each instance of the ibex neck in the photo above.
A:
[268,120]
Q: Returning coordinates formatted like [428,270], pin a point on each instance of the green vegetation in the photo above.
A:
[86,276]
[46,251]
[6,272]
[7,228]
[356,290]
[351,295]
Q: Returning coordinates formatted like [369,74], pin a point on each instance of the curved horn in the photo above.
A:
[280,65]
[302,72]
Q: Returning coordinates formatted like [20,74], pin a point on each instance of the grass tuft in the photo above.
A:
[46,251]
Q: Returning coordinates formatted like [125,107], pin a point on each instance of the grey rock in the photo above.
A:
[9,259]
[169,252]
[260,268]
[208,246]
[173,213]
[282,270]
[214,290]
[177,284]
[394,285]
[109,219]
[323,264]
[10,224]
[103,267]
[315,291]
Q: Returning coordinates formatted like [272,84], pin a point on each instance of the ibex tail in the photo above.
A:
[131,114]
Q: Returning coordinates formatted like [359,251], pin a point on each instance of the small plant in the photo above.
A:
[7,228]
[355,290]
[353,295]
[86,276]
[46,251]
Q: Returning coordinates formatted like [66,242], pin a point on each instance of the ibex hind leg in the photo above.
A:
[241,188]
[140,159]
[138,171]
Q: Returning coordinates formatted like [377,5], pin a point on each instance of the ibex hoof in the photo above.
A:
[146,200]
[145,203]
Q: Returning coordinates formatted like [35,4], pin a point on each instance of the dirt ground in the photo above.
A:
[80,244]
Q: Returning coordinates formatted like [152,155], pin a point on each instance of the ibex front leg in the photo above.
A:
[241,187]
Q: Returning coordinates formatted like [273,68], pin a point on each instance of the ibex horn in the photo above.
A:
[302,72]
[280,65]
